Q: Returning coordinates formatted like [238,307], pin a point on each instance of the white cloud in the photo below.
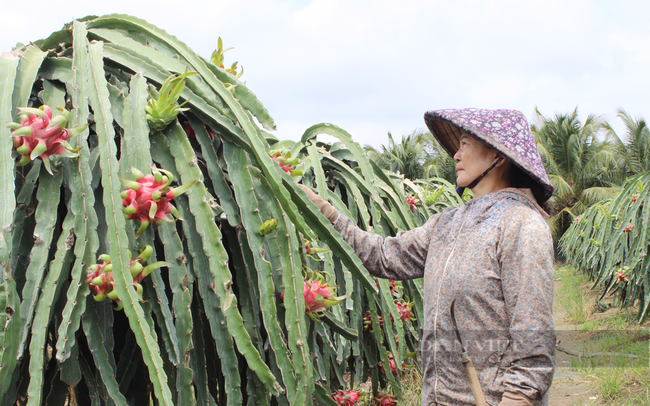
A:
[377,66]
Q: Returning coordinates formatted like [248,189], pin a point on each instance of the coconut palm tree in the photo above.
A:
[636,147]
[407,157]
[417,156]
[583,161]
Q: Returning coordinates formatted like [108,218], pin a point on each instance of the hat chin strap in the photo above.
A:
[461,189]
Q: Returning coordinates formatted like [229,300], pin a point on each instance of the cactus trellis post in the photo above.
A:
[215,313]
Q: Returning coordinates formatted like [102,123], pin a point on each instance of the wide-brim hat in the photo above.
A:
[507,131]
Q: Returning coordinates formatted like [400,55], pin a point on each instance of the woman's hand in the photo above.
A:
[327,209]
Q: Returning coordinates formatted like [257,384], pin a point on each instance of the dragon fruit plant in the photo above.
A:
[200,322]
[606,236]
[39,135]
[147,199]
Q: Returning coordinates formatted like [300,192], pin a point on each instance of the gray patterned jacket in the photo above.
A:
[494,255]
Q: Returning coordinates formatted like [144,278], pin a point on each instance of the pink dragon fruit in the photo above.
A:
[621,274]
[100,276]
[147,198]
[404,309]
[318,297]
[391,364]
[384,399]
[412,202]
[318,294]
[283,157]
[42,136]
[346,398]
[395,287]
[367,322]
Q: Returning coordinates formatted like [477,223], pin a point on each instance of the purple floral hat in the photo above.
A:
[507,131]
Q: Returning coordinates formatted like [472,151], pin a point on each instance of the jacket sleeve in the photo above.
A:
[401,257]
[526,257]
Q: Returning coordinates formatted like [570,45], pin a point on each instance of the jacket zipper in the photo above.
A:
[435,317]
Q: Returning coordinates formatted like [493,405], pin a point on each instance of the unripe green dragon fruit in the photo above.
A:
[42,136]
[100,276]
[268,226]
[162,107]
[147,198]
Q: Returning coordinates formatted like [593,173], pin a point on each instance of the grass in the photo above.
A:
[600,327]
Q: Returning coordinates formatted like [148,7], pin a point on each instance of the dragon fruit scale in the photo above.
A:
[147,199]
[42,136]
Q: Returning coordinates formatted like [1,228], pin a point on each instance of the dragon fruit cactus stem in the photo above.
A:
[147,199]
[42,136]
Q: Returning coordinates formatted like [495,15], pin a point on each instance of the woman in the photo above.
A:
[494,256]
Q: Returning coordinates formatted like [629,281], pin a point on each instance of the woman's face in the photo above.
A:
[472,159]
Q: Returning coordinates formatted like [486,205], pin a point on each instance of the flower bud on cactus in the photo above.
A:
[217,55]
[147,198]
[346,398]
[42,136]
[268,226]
[162,107]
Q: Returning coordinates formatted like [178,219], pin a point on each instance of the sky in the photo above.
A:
[373,67]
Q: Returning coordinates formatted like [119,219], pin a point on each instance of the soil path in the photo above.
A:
[568,389]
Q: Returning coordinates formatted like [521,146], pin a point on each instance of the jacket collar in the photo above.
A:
[523,195]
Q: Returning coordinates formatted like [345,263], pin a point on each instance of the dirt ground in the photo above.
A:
[568,387]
